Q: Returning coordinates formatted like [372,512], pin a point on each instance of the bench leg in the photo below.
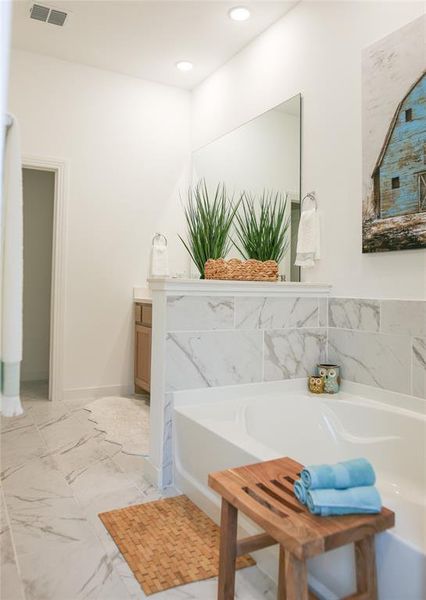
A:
[282,594]
[365,562]
[293,578]
[228,551]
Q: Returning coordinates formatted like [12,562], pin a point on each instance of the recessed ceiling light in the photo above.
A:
[239,13]
[184,65]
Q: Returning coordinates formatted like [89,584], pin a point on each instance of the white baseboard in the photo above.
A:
[97,392]
[29,376]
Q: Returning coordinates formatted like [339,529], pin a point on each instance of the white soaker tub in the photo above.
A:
[220,428]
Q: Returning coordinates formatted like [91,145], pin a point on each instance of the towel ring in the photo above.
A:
[157,237]
[310,196]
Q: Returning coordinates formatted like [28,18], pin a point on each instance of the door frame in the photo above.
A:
[58,286]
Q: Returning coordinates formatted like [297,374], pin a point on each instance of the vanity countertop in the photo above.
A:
[142,295]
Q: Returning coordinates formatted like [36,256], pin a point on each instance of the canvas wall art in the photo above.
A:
[394,141]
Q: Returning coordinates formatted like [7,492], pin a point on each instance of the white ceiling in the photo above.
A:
[146,38]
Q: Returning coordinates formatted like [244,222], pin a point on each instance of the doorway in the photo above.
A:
[38,208]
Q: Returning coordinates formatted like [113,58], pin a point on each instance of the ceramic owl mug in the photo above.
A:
[316,384]
[331,376]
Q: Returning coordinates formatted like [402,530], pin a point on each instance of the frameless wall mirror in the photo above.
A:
[263,154]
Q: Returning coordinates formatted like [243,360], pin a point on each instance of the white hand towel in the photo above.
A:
[159,261]
[11,275]
[308,239]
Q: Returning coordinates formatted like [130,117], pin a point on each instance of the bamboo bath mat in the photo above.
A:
[167,543]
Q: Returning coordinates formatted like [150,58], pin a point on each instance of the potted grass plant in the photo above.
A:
[261,231]
[262,227]
[209,218]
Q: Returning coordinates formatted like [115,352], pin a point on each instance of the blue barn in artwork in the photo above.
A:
[399,176]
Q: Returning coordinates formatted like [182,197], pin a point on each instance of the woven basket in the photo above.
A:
[241,270]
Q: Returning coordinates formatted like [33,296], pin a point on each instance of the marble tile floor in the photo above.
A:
[57,473]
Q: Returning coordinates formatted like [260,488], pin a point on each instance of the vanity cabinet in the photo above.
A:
[143,337]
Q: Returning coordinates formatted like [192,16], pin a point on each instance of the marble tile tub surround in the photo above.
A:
[217,340]
[380,342]
[202,336]
[213,358]
[225,340]
[221,333]
[276,313]
[200,312]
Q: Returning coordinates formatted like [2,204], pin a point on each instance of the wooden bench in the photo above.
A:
[264,493]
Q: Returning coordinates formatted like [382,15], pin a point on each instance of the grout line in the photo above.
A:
[251,329]
[327,306]
[318,312]
[327,349]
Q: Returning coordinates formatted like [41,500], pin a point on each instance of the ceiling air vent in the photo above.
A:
[40,13]
[48,15]
[57,17]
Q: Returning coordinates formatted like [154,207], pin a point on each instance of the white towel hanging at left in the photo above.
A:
[159,256]
[308,238]
[11,274]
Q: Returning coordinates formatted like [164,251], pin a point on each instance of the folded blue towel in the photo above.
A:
[350,473]
[300,491]
[352,501]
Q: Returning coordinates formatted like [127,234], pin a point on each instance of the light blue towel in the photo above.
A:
[352,501]
[350,473]
[300,491]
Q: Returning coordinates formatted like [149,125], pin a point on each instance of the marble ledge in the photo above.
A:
[213,287]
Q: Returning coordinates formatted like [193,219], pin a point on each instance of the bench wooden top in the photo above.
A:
[264,493]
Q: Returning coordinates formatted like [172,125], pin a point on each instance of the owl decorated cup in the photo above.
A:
[331,376]
[316,384]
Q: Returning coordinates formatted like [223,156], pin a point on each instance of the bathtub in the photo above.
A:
[218,428]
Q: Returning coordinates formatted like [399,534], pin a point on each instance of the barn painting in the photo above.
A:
[394,143]
[400,172]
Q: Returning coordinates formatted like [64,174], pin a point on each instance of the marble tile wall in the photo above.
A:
[167,465]
[196,359]
[379,342]
[213,341]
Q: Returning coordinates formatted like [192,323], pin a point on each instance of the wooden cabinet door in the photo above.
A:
[143,357]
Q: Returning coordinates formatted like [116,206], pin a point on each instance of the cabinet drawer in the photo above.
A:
[138,313]
[147,314]
[143,357]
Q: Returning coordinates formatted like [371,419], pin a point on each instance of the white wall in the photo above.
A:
[39,194]
[316,50]
[127,146]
